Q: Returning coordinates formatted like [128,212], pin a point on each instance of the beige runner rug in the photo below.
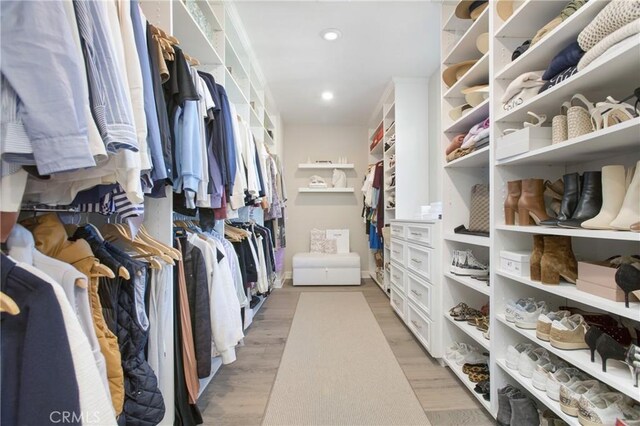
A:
[337,369]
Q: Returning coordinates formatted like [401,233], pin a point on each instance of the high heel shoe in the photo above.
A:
[628,279]
[570,197]
[531,209]
[536,257]
[514,189]
[608,349]
[632,359]
[591,338]
[590,202]
[558,260]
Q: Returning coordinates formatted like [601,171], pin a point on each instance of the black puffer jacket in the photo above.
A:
[123,306]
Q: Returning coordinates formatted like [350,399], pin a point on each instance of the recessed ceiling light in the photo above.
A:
[331,34]
[327,96]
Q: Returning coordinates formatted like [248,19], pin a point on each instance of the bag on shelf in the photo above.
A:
[479,209]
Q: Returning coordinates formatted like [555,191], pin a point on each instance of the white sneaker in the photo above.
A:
[528,361]
[527,316]
[513,354]
[468,265]
[570,394]
[542,372]
[454,262]
[543,326]
[601,409]
[452,351]
[563,375]
[472,357]
[510,308]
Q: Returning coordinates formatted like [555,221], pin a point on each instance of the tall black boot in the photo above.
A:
[590,201]
[569,199]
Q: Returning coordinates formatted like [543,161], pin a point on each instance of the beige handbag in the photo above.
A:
[479,209]
[559,125]
[579,117]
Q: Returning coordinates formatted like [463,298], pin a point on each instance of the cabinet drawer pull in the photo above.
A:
[396,251]
[416,293]
[418,326]
[418,261]
[396,277]
[417,234]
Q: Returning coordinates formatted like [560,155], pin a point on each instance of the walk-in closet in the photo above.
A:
[283,213]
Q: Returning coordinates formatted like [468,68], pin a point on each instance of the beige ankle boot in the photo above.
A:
[630,211]
[613,191]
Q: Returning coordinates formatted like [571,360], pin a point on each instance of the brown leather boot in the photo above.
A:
[536,257]
[531,208]
[514,188]
[558,260]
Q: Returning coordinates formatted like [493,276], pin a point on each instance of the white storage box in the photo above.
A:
[326,269]
[525,140]
[515,262]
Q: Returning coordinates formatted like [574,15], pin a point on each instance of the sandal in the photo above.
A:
[458,309]
[611,112]
[468,314]
[538,121]
[478,377]
[579,117]
[482,387]
[475,368]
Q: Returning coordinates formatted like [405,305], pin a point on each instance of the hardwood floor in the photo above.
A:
[239,393]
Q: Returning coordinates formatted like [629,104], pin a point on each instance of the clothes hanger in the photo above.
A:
[8,305]
[113,232]
[122,271]
[172,252]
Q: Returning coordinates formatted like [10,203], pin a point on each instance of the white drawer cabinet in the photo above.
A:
[397,277]
[420,292]
[398,302]
[397,230]
[420,325]
[420,260]
[414,279]
[420,234]
[398,251]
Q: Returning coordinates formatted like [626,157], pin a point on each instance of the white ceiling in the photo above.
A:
[380,40]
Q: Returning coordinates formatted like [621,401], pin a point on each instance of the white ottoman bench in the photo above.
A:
[326,269]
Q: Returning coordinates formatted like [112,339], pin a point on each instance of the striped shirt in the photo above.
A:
[110,103]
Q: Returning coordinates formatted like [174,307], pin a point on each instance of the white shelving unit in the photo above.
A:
[400,113]
[212,32]
[464,379]
[619,144]
[458,44]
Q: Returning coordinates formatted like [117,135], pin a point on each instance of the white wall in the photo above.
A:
[317,210]
[436,151]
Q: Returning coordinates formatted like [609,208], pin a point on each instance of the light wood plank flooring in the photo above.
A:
[239,393]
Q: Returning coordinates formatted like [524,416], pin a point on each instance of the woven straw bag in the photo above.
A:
[479,210]
[559,132]
[579,117]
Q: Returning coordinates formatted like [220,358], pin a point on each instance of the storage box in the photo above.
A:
[600,280]
[515,262]
[525,140]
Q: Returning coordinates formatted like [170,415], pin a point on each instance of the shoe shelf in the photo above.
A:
[620,72]
[454,24]
[478,74]
[479,158]
[465,48]
[571,232]
[570,291]
[475,240]
[457,370]
[540,54]
[618,139]
[521,25]
[474,116]
[476,285]
[391,149]
[390,169]
[618,376]
[538,394]
[470,331]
